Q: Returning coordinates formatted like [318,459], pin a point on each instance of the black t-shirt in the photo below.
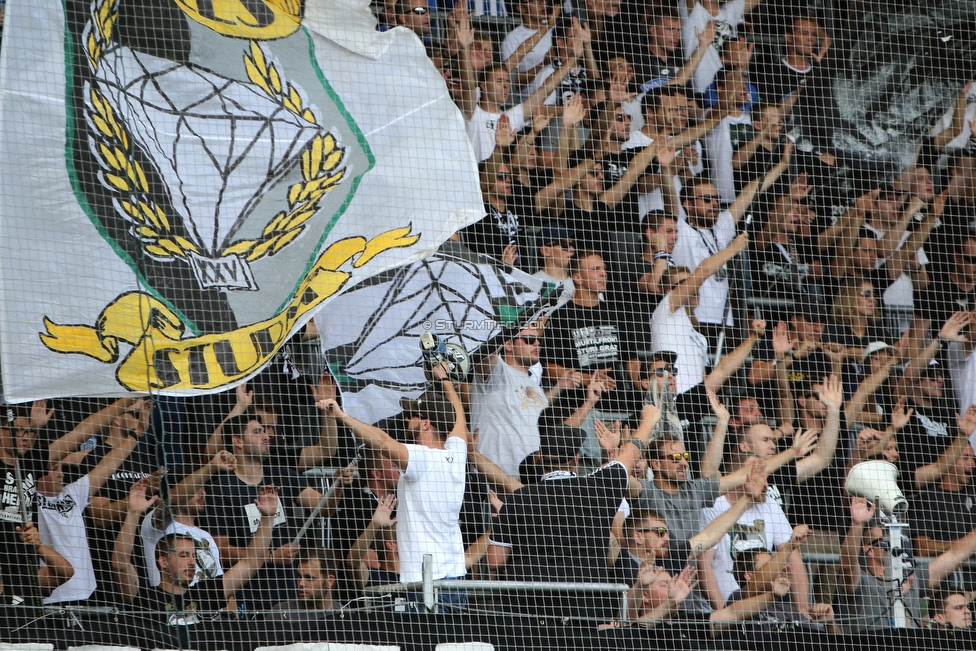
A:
[589,339]
[493,233]
[589,227]
[930,430]
[692,406]
[776,80]
[559,530]
[640,304]
[652,71]
[780,270]
[944,515]
[625,216]
[231,512]
[943,298]
[757,166]
[200,603]
[17,560]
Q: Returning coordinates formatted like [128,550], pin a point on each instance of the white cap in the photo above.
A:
[872,348]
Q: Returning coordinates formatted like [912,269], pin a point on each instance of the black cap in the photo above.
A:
[560,444]
[553,231]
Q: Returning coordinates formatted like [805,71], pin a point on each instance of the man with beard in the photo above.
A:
[316,578]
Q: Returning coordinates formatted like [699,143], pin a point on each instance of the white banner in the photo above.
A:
[184,188]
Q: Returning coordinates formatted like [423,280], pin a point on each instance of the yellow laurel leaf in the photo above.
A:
[309,116]
[307,165]
[330,142]
[130,171]
[275,224]
[258,54]
[104,11]
[186,244]
[172,247]
[318,152]
[291,106]
[108,155]
[148,215]
[275,79]
[118,182]
[324,183]
[282,241]
[143,183]
[92,44]
[129,208]
[259,251]
[161,216]
[333,160]
[158,251]
[299,218]
[238,248]
[255,75]
[296,99]
[294,191]
[102,126]
[148,233]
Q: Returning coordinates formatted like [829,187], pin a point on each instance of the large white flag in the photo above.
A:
[185,183]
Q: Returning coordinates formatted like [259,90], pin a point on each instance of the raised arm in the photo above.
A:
[117,455]
[945,564]
[314,455]
[958,119]
[931,473]
[528,45]
[216,441]
[459,22]
[494,474]
[712,534]
[87,428]
[536,99]
[635,169]
[222,461]
[763,577]
[850,549]
[632,449]
[683,293]
[257,551]
[126,577]
[372,436]
[832,395]
[732,362]
[712,458]
[355,559]
[56,571]
[705,38]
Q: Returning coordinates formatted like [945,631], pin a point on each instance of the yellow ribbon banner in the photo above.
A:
[162,360]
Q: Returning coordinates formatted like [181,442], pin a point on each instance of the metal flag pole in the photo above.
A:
[328,494]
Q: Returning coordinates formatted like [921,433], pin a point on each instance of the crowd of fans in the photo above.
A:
[752,314]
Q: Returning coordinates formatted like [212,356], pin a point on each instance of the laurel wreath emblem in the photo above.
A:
[322,161]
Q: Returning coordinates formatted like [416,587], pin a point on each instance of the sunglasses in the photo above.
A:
[867,293]
[660,531]
[708,198]
[419,11]
[676,456]
[503,176]
[967,259]
[878,543]
[562,244]
[663,372]
[530,340]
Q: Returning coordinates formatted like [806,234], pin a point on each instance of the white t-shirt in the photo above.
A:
[482,125]
[506,406]
[761,526]
[900,293]
[429,496]
[654,200]
[718,144]
[674,332]
[731,13]
[691,249]
[536,55]
[61,525]
[207,554]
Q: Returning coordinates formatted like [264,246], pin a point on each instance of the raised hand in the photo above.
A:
[900,417]
[718,407]
[739,244]
[330,407]
[800,188]
[244,400]
[951,329]
[755,486]
[223,461]
[324,389]
[832,393]
[967,422]
[781,339]
[463,32]
[540,121]
[510,254]
[782,582]
[822,52]
[804,442]
[800,533]
[504,135]
[665,152]
[570,379]
[138,502]
[834,351]
[576,43]
[29,535]
[609,439]
[573,111]
[383,515]
[758,327]
[40,414]
[822,613]
[707,34]
[861,510]
[681,586]
[285,554]
[267,500]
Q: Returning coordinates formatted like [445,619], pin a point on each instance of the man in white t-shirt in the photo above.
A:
[762,526]
[706,232]
[535,34]
[482,118]
[704,12]
[507,399]
[60,515]
[431,486]
[732,132]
